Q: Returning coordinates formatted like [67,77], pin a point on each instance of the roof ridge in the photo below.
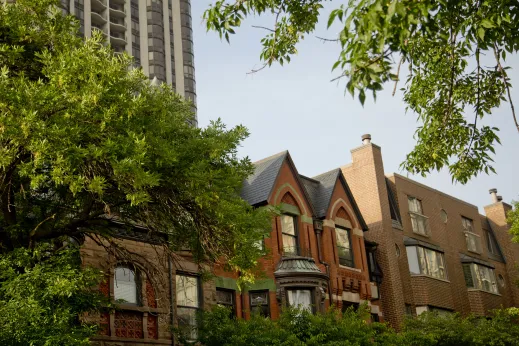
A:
[328,172]
[284,152]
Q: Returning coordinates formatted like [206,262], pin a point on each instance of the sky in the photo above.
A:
[295,107]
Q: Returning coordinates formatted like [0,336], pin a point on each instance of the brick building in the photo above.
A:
[436,251]
[316,246]
[317,256]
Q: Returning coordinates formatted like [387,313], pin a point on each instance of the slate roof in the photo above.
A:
[320,190]
[257,187]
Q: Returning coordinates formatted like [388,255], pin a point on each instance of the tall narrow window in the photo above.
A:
[125,286]
[187,304]
[301,299]
[418,220]
[473,240]
[426,261]
[226,299]
[344,247]
[259,302]
[492,243]
[289,230]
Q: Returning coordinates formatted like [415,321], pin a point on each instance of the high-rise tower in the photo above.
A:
[157,33]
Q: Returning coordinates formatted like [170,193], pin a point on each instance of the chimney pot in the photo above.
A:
[493,194]
[499,198]
[366,139]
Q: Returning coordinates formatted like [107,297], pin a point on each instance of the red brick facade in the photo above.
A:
[403,292]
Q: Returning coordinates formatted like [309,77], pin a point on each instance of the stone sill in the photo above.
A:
[131,340]
[132,307]
[350,268]
[478,290]
[429,277]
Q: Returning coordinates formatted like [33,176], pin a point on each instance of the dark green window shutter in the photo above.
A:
[468,275]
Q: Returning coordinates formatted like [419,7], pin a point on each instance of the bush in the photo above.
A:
[333,328]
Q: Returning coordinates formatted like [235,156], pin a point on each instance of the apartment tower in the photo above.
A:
[157,33]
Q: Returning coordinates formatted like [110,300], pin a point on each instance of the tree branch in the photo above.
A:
[397,75]
[503,75]
[262,27]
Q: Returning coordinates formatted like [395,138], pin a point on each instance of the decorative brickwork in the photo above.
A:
[153,332]
[128,324]
[104,287]
[289,199]
[342,213]
[104,324]
[150,295]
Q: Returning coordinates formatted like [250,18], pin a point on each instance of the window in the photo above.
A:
[480,277]
[301,299]
[492,244]
[426,261]
[289,230]
[187,304]
[375,318]
[344,247]
[259,302]
[418,220]
[350,305]
[125,286]
[473,240]
[226,298]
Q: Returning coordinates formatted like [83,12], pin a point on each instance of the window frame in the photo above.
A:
[477,280]
[137,282]
[418,216]
[468,233]
[251,306]
[312,296]
[295,235]
[423,263]
[194,331]
[227,305]
[348,233]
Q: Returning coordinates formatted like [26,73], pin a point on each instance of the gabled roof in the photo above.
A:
[258,187]
[320,189]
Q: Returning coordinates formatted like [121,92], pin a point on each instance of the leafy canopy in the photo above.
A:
[441,42]
[88,147]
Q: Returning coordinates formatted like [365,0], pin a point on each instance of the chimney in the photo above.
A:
[499,198]
[366,139]
[493,194]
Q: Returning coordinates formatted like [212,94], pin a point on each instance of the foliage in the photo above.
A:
[296,327]
[42,293]
[513,220]
[453,330]
[88,148]
[441,42]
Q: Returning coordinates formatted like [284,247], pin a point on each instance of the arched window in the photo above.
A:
[126,286]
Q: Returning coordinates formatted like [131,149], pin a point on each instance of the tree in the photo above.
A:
[87,146]
[442,42]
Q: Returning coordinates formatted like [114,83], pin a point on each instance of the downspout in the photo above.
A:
[242,299]
[318,226]
[171,300]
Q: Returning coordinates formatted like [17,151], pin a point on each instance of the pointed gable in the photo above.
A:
[258,186]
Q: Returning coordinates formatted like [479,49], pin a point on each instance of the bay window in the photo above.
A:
[426,261]
[300,298]
[480,277]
